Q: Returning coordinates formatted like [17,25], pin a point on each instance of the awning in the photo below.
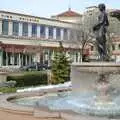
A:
[14,48]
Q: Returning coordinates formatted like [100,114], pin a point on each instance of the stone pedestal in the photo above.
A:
[84,75]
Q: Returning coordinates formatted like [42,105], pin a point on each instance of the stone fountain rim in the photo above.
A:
[25,110]
[96,64]
[13,108]
[28,110]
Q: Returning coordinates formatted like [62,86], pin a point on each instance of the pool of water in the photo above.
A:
[82,103]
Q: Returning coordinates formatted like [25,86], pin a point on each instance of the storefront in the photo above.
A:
[14,55]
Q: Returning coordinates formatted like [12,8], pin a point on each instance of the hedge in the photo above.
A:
[7,90]
[29,79]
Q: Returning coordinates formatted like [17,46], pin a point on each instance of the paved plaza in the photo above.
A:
[10,116]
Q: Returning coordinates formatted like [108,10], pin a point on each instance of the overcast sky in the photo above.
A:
[46,8]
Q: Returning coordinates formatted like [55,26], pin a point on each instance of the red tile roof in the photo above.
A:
[69,13]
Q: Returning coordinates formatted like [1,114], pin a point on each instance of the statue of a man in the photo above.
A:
[100,30]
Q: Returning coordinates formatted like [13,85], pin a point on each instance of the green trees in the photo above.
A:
[60,67]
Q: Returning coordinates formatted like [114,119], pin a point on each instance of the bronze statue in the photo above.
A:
[100,30]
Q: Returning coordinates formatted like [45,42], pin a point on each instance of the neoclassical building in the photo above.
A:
[25,39]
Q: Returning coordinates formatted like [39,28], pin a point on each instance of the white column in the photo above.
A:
[79,57]
[29,30]
[32,57]
[20,29]
[53,54]
[46,32]
[6,59]
[49,57]
[38,57]
[1,57]
[68,35]
[13,54]
[0,27]
[54,33]
[62,34]
[19,60]
[74,57]
[38,31]
[10,30]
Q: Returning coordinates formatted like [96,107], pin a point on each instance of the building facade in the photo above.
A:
[90,17]
[25,39]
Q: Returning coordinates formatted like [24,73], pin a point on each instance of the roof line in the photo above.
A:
[35,17]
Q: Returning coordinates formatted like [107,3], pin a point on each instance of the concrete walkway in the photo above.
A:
[11,116]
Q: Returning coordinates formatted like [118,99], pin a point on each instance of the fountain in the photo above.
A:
[95,88]
[95,93]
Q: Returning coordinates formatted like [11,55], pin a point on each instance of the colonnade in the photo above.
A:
[23,59]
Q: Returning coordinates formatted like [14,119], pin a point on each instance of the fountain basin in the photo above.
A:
[83,102]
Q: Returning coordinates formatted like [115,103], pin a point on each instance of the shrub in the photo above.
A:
[7,90]
[29,79]
[60,67]
[8,84]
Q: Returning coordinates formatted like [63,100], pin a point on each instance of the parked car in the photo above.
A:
[35,66]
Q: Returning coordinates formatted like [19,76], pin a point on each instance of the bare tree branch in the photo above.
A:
[82,38]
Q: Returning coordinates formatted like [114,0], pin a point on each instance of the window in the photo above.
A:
[58,33]
[25,29]
[72,34]
[15,28]
[50,32]
[34,29]
[42,31]
[5,27]
[65,34]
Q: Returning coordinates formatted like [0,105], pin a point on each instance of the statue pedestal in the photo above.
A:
[85,75]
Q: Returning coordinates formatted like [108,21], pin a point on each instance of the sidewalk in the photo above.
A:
[11,116]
